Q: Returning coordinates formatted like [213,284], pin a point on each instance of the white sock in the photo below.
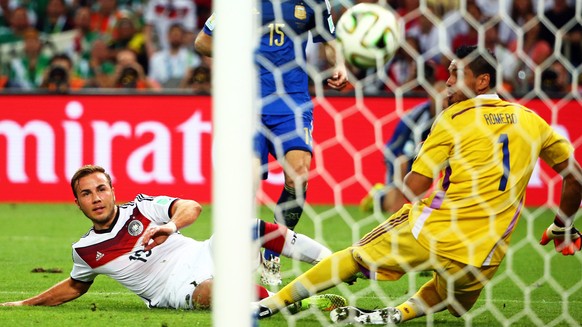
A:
[304,248]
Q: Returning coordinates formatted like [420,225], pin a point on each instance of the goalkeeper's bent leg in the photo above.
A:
[467,287]
[418,305]
[432,296]
[331,271]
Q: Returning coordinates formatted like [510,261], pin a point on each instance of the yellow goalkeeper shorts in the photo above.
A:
[390,250]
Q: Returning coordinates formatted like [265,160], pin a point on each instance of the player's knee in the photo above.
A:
[202,295]
[297,179]
[297,171]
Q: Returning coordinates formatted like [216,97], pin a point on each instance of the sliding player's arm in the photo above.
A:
[65,291]
[183,213]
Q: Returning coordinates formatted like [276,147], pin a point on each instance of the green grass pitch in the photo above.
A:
[534,286]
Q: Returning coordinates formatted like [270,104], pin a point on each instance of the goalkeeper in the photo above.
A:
[486,150]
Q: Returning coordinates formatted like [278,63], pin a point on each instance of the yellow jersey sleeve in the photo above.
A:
[555,148]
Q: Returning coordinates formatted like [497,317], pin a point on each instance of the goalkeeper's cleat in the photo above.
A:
[321,302]
[271,272]
[353,315]
[368,203]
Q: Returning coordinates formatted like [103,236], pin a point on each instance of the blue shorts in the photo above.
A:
[279,134]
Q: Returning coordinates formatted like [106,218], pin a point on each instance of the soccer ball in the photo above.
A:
[368,35]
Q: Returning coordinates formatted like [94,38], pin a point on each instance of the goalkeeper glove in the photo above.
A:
[567,240]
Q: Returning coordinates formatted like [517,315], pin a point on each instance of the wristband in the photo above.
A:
[173,226]
[558,222]
[561,222]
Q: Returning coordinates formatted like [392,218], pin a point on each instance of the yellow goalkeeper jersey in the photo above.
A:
[485,150]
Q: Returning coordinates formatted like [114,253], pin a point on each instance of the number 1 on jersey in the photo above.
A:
[505,141]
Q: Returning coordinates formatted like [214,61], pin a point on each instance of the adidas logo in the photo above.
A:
[99,256]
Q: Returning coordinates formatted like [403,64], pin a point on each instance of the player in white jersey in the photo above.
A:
[157,275]
[138,245]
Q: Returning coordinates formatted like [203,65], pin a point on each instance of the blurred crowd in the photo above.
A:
[148,44]
[64,45]
[539,47]
[537,43]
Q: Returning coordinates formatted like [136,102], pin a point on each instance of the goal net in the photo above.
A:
[538,65]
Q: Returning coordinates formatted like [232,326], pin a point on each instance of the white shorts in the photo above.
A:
[186,276]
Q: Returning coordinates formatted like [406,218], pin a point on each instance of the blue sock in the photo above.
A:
[287,212]
[289,208]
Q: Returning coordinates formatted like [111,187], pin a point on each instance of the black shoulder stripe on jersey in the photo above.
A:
[142,197]
[127,204]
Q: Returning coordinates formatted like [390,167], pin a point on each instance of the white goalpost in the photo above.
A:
[233,107]
[534,286]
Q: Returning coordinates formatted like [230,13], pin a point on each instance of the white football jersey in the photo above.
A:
[157,276]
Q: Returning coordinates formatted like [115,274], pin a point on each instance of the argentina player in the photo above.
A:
[286,114]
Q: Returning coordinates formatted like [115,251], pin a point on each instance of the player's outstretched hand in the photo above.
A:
[338,80]
[567,240]
[12,304]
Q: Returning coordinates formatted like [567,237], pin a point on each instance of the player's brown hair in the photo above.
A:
[478,63]
[85,171]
